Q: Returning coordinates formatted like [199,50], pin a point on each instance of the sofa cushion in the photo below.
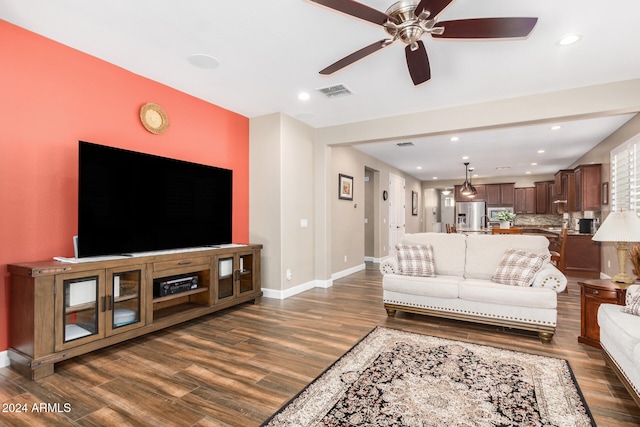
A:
[626,326]
[415,260]
[448,250]
[440,286]
[633,305]
[518,267]
[484,251]
[486,291]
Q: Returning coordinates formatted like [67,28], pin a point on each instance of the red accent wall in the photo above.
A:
[51,96]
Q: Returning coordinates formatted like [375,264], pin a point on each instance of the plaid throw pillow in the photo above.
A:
[415,260]
[518,267]
[633,306]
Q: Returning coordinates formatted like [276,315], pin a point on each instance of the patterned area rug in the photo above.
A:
[397,378]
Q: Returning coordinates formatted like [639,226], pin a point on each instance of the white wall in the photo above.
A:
[265,195]
[282,194]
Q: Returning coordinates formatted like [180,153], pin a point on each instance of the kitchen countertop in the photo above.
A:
[551,230]
[531,230]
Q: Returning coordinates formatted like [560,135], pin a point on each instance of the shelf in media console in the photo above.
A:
[143,254]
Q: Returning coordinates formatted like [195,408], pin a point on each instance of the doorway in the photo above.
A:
[396,210]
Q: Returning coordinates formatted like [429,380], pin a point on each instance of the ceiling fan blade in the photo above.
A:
[418,63]
[355,56]
[486,28]
[433,6]
[358,10]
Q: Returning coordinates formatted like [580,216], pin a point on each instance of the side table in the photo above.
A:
[594,292]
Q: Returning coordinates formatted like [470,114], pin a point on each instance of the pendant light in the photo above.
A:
[466,190]
[474,191]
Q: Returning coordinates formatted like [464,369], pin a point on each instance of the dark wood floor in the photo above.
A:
[239,366]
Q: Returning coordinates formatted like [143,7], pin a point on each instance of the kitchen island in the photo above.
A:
[582,255]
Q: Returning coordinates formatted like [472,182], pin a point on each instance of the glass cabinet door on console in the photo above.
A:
[225,288]
[245,273]
[236,275]
[124,308]
[78,309]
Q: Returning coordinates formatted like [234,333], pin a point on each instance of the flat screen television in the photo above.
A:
[134,202]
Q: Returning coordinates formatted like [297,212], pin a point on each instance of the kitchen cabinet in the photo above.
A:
[542,197]
[565,190]
[500,194]
[582,256]
[525,200]
[553,206]
[546,197]
[588,190]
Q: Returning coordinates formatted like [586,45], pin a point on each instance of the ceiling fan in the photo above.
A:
[408,20]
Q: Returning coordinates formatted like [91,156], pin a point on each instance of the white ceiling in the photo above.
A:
[269,51]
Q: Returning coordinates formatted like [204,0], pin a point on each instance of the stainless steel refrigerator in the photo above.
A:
[470,216]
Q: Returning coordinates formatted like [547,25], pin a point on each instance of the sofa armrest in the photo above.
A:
[389,265]
[631,291]
[550,277]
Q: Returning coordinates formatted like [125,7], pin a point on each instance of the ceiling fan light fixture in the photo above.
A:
[409,20]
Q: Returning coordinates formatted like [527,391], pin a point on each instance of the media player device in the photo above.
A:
[174,285]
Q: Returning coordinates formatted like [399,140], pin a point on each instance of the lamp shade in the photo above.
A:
[619,227]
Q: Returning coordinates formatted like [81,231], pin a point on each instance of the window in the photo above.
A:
[625,177]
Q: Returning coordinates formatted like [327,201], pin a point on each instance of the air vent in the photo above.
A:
[335,91]
[405,144]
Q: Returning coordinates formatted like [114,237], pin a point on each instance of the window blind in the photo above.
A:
[625,177]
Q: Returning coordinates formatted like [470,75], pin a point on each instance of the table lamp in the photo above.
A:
[620,227]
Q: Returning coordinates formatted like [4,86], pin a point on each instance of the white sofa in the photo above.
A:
[620,341]
[462,287]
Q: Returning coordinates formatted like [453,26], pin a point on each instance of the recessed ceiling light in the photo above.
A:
[465,157]
[569,39]
[534,164]
[304,96]
[528,172]
[455,138]
[435,177]
[202,60]
[540,151]
[419,167]
[555,127]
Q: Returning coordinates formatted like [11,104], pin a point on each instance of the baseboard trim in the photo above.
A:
[277,294]
[4,359]
[372,259]
[348,271]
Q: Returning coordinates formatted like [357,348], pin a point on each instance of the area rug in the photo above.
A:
[398,378]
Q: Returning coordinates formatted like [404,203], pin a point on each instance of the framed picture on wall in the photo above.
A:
[345,187]
[414,203]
